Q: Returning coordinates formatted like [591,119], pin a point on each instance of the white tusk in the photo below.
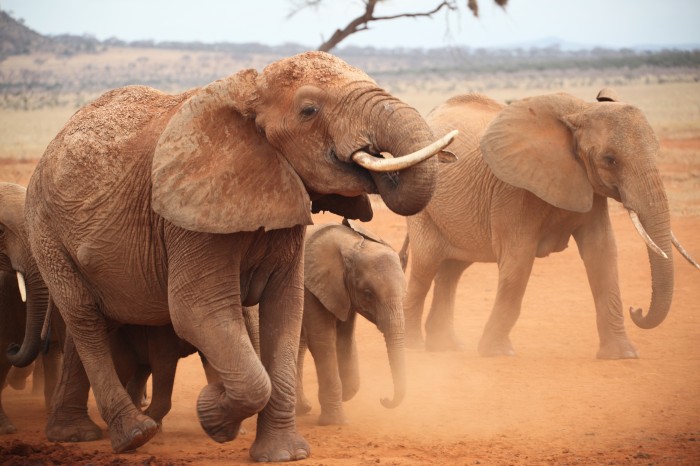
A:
[392,164]
[645,236]
[683,252]
[22,287]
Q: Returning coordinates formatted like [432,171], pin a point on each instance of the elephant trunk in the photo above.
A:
[393,331]
[654,217]
[37,304]
[408,191]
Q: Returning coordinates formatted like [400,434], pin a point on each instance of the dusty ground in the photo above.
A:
[553,403]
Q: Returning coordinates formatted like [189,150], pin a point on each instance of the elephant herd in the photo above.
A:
[156,226]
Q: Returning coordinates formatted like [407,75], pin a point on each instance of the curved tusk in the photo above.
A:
[392,164]
[22,287]
[683,252]
[645,236]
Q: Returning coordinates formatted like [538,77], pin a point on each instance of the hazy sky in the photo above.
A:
[614,23]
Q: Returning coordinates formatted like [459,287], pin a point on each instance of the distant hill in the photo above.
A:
[17,39]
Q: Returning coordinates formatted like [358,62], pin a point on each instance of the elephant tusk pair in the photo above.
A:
[647,239]
[22,287]
[392,164]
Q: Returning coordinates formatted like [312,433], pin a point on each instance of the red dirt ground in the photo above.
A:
[553,403]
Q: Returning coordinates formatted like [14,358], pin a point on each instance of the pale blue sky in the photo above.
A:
[613,23]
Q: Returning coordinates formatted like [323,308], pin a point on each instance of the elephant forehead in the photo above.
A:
[318,67]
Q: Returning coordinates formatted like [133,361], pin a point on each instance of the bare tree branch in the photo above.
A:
[362,22]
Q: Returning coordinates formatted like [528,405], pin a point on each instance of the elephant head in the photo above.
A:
[16,257]
[566,151]
[308,128]
[351,270]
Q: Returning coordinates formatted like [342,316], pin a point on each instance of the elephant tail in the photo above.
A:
[403,253]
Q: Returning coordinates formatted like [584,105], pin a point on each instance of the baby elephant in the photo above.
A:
[348,270]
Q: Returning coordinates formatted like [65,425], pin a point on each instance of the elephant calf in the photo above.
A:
[347,270]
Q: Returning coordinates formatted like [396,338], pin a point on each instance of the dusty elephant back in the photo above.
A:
[461,183]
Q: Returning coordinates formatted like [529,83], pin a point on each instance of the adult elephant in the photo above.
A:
[530,176]
[348,270]
[23,295]
[149,208]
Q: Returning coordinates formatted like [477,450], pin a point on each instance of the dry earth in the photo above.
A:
[553,403]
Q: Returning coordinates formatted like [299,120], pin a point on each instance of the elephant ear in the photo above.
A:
[530,144]
[324,270]
[214,172]
[607,95]
[363,232]
[12,197]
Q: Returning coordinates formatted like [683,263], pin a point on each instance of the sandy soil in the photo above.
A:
[553,403]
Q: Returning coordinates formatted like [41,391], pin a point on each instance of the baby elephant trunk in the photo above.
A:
[393,331]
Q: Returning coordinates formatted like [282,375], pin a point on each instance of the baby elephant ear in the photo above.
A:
[214,172]
[529,145]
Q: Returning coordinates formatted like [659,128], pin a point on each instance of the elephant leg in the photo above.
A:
[596,244]
[420,278]
[320,330]
[302,405]
[281,311]
[513,274]
[205,308]
[348,366]
[439,326]
[68,419]
[128,427]
[136,386]
[49,365]
[6,426]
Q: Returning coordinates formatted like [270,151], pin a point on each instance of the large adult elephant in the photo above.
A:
[530,176]
[149,208]
[23,295]
[348,270]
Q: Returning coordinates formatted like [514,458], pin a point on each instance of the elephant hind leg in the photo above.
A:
[439,326]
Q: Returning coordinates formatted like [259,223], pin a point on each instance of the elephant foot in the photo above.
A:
[276,447]
[77,429]
[332,417]
[6,426]
[128,432]
[443,342]
[496,347]
[217,422]
[620,348]
[414,339]
[302,406]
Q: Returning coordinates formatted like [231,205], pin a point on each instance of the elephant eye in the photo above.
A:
[309,111]
[610,161]
[369,296]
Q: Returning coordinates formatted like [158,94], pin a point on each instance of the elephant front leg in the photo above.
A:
[596,245]
[281,310]
[320,331]
[303,406]
[421,277]
[513,275]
